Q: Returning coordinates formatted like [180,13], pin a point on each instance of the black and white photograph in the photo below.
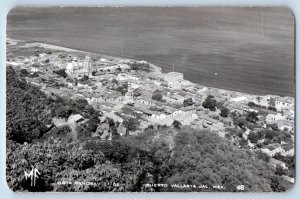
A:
[150,99]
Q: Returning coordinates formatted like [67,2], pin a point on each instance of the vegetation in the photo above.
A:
[176,124]
[27,107]
[157,95]
[224,112]
[188,102]
[61,73]
[131,124]
[137,92]
[252,117]
[210,103]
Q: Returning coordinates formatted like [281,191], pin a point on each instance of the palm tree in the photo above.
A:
[176,124]
[258,99]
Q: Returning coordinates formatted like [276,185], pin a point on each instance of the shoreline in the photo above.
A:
[155,68]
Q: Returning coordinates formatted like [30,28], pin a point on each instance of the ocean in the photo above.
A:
[246,49]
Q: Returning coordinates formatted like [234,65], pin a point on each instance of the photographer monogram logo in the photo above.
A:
[32,175]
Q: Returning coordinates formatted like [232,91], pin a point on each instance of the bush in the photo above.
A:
[251,104]
[253,137]
[252,117]
[157,95]
[188,102]
[224,112]
[210,103]
[176,124]
[23,72]
[280,170]
[61,73]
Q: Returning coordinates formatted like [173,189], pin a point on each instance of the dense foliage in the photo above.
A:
[27,109]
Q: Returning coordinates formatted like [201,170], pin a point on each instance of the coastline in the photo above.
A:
[155,68]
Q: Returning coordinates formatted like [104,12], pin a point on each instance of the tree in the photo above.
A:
[210,103]
[263,156]
[23,72]
[280,170]
[64,111]
[81,104]
[269,134]
[176,124]
[272,108]
[251,104]
[239,122]
[243,142]
[224,112]
[258,99]
[253,137]
[188,102]
[123,88]
[220,105]
[137,92]
[252,117]
[271,102]
[61,73]
[114,81]
[131,124]
[157,95]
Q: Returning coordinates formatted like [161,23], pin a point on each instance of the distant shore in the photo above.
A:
[154,68]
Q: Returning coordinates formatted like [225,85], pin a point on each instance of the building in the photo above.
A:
[69,68]
[124,76]
[271,118]
[173,80]
[75,119]
[82,72]
[284,103]
[87,63]
[242,99]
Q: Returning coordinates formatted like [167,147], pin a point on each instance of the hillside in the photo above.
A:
[131,163]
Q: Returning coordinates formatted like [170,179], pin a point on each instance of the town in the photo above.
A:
[124,89]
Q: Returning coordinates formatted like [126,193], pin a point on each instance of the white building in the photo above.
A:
[174,80]
[70,68]
[273,118]
[239,99]
[124,76]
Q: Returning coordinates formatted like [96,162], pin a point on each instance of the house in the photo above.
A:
[277,162]
[271,118]
[240,99]
[174,98]
[82,72]
[124,76]
[283,102]
[42,55]
[227,122]
[173,77]
[94,135]
[272,151]
[121,130]
[289,150]
[105,135]
[124,67]
[104,126]
[87,62]
[69,68]
[74,119]
[288,179]
[102,119]
[173,80]
[185,83]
